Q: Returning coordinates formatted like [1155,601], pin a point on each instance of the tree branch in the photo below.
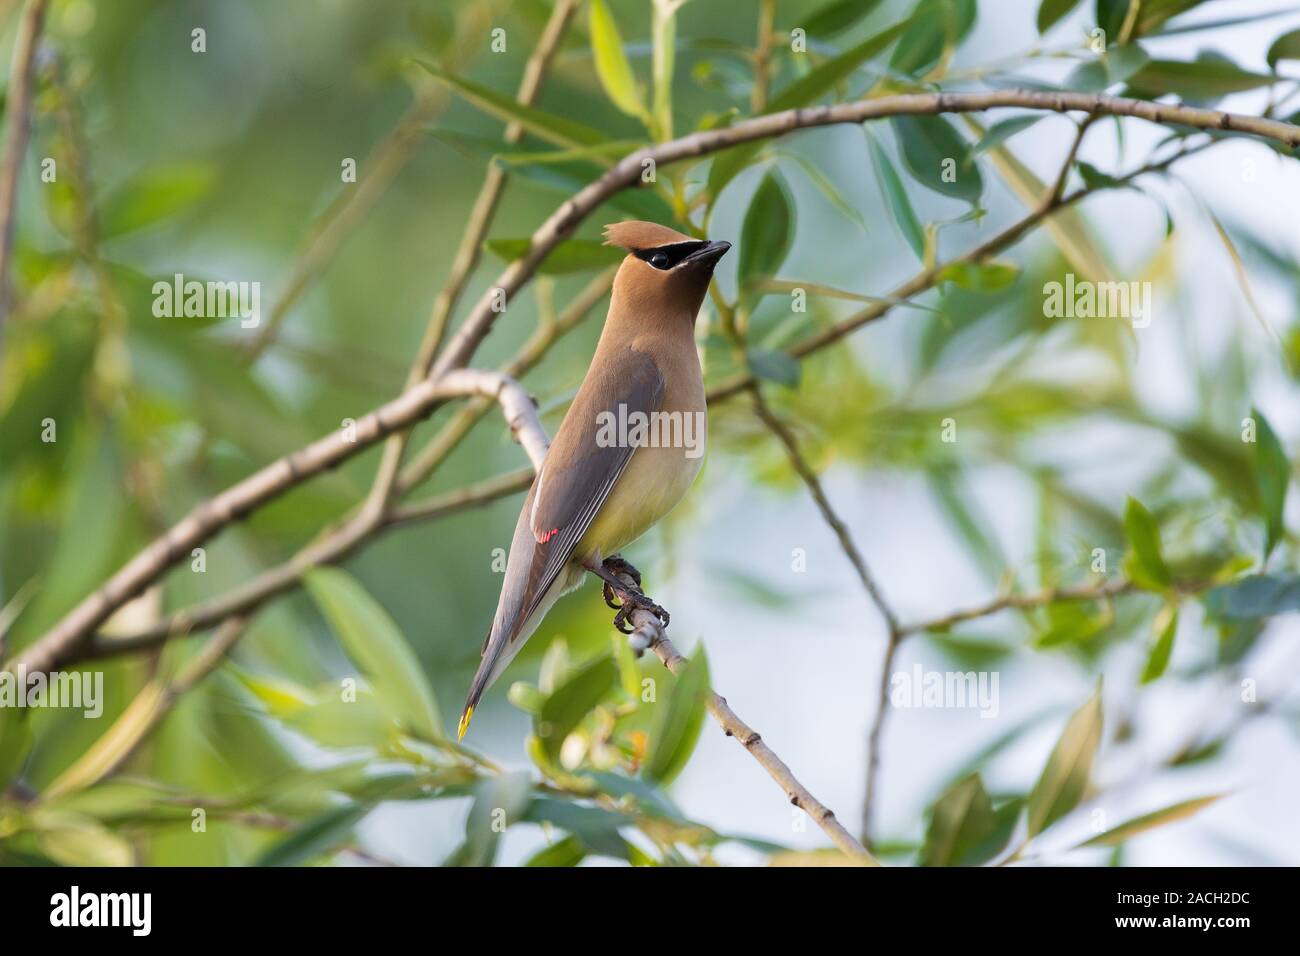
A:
[627,172]
[928,278]
[72,634]
[201,523]
[650,632]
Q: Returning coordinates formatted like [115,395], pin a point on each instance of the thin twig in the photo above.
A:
[1100,590]
[837,525]
[72,635]
[378,171]
[928,278]
[467,255]
[18,107]
[357,529]
[650,631]
[893,633]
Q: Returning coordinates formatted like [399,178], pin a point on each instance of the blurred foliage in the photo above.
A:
[221,165]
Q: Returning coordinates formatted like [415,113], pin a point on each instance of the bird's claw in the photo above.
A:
[633,600]
[616,566]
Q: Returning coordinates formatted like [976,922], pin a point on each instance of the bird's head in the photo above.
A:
[663,267]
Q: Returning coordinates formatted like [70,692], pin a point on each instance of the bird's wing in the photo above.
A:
[572,484]
[578,474]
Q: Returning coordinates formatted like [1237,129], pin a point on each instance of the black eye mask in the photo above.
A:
[666,257]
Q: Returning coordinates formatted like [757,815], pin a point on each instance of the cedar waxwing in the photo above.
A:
[610,475]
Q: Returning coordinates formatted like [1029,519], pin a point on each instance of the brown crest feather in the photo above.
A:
[635,235]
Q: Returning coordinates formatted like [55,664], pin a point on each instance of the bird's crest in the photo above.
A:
[635,235]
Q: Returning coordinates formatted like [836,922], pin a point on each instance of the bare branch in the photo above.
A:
[810,479]
[650,632]
[1084,592]
[71,635]
[627,172]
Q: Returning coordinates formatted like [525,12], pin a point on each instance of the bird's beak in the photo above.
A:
[709,253]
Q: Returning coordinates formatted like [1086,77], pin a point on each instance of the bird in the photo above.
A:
[605,481]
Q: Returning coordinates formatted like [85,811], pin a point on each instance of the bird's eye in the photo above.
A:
[659,260]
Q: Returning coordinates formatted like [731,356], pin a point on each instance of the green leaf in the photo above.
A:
[934,26]
[828,189]
[1255,596]
[1203,80]
[1165,626]
[321,835]
[611,62]
[154,196]
[1051,12]
[1065,777]
[596,827]
[572,701]
[374,644]
[1145,563]
[75,840]
[960,820]
[553,129]
[1094,178]
[571,255]
[1285,47]
[15,743]
[1115,66]
[824,77]
[1149,821]
[678,721]
[567,852]
[663,65]
[1272,476]
[526,697]
[774,366]
[900,207]
[768,230]
[327,831]
[837,16]
[729,163]
[1002,131]
[938,157]
[980,276]
[499,802]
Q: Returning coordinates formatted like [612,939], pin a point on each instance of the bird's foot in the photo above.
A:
[615,566]
[633,600]
[622,590]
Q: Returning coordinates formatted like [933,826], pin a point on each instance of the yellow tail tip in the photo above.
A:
[464,723]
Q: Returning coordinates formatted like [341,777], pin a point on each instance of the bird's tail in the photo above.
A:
[508,635]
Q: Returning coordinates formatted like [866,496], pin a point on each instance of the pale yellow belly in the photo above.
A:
[654,481]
